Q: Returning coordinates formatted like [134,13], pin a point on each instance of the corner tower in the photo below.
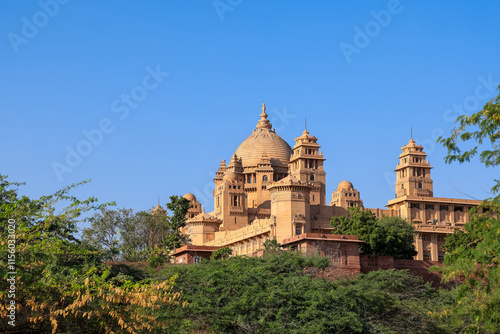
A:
[307,162]
[290,207]
[413,172]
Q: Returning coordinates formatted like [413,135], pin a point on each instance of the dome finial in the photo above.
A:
[264,122]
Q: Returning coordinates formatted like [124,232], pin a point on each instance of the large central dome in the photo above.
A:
[264,141]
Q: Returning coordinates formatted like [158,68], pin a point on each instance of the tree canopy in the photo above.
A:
[61,284]
[474,256]
[275,294]
[388,236]
[128,236]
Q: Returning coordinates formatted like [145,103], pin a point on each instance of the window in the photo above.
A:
[312,177]
[429,207]
[264,178]
[441,238]
[298,230]
[459,208]
[443,207]
[196,259]
[426,237]
[313,198]
[420,185]
[415,206]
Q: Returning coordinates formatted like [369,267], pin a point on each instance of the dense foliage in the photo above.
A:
[222,253]
[475,256]
[274,294]
[142,236]
[388,236]
[61,285]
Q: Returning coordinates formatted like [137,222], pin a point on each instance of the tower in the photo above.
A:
[202,227]
[230,198]
[195,207]
[346,196]
[219,175]
[290,207]
[413,172]
[307,161]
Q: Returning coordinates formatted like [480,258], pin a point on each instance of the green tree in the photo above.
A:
[393,236]
[482,128]
[280,293]
[272,246]
[475,256]
[134,237]
[358,222]
[105,230]
[61,284]
[389,236]
[158,228]
[222,253]
[178,206]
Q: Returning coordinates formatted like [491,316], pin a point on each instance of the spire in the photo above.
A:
[305,134]
[264,122]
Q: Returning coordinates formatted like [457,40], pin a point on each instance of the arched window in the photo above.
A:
[298,230]
[420,185]
[312,177]
[264,178]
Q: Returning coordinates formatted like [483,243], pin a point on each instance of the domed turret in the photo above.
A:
[190,197]
[345,185]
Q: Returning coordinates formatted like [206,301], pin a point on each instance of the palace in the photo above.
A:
[269,190]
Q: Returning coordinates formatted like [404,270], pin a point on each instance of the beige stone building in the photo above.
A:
[271,190]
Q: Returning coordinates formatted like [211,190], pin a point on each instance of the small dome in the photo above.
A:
[231,176]
[345,185]
[190,197]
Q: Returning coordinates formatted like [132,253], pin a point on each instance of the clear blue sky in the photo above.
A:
[72,70]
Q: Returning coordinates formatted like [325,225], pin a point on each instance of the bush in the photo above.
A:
[155,261]
[274,294]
